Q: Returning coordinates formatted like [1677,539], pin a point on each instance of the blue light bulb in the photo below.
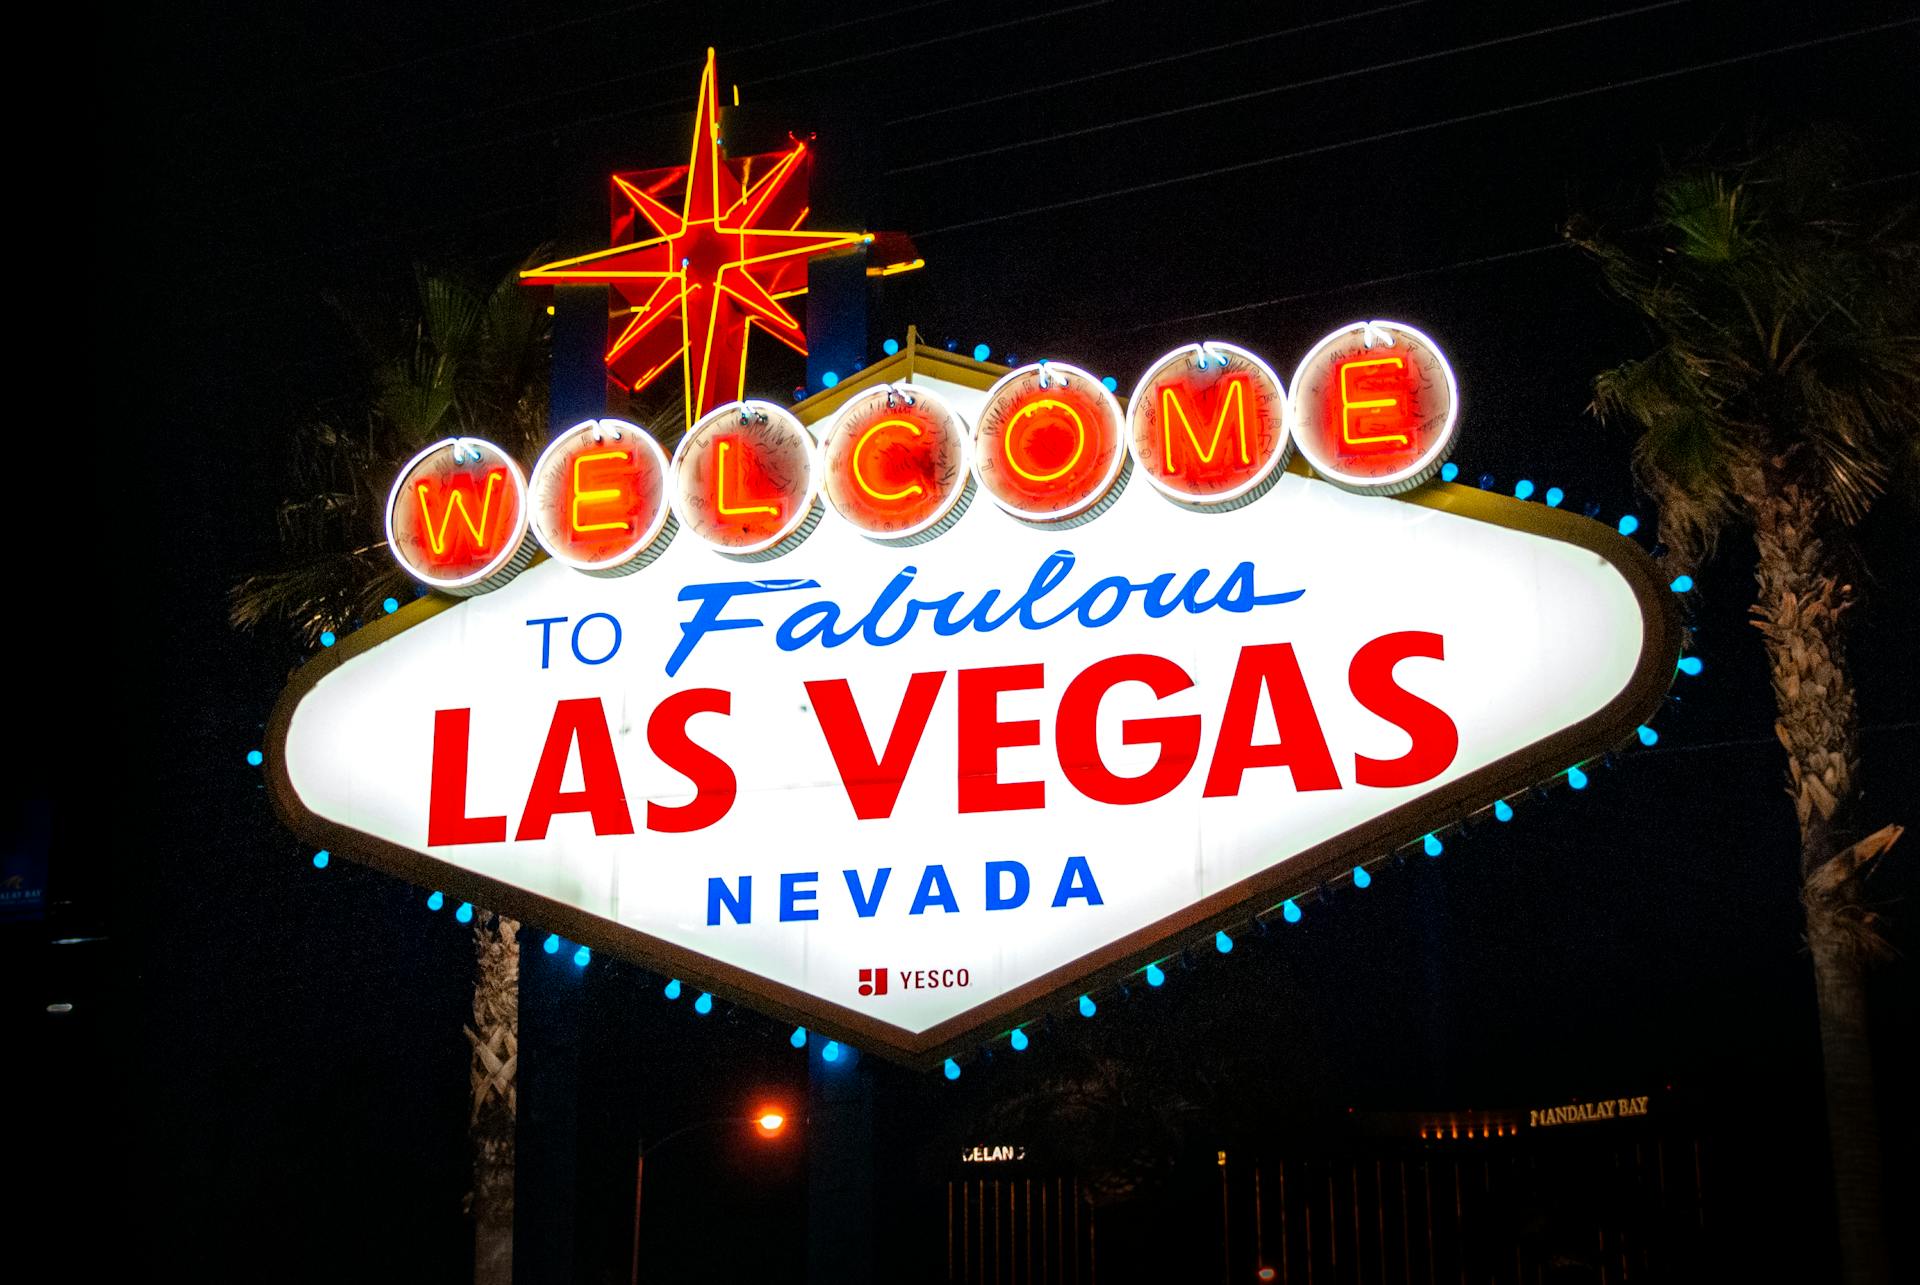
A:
[799,1037]
[1289,911]
[1433,845]
[327,638]
[1681,584]
[831,1051]
[829,379]
[1155,976]
[980,353]
[581,956]
[1502,810]
[255,758]
[1690,665]
[952,1068]
[1449,471]
[1361,879]
[1576,778]
[1087,1007]
[390,606]
[1111,384]
[890,347]
[1222,942]
[321,858]
[465,913]
[673,989]
[552,944]
[1554,496]
[1019,1040]
[1647,735]
[435,900]
[704,1004]
[1629,524]
[1523,489]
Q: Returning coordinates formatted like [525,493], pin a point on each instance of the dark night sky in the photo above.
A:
[278,1052]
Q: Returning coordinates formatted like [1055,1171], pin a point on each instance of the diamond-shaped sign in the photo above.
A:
[913,794]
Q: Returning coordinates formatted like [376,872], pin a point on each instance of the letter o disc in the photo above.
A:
[896,465]
[1207,426]
[457,517]
[1049,446]
[1375,407]
[599,498]
[746,481]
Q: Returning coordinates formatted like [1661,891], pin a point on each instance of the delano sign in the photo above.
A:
[796,717]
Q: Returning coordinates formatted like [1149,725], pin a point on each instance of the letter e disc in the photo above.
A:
[1374,407]
[896,465]
[599,498]
[457,517]
[1048,449]
[746,481]
[1207,426]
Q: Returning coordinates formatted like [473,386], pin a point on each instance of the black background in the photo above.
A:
[264,1073]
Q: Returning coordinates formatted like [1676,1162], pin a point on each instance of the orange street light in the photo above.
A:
[769,1121]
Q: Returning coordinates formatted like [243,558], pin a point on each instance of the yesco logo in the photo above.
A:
[873,981]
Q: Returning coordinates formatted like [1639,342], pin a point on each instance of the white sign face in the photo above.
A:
[908,794]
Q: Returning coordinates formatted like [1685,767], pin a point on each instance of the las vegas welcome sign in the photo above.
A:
[916,710]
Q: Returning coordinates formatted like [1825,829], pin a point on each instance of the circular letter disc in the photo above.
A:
[746,480]
[599,498]
[1049,446]
[895,464]
[1207,426]
[457,517]
[1374,407]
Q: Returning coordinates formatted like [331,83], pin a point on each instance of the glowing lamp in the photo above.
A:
[435,900]
[704,1004]
[1502,810]
[895,464]
[672,990]
[1156,976]
[552,944]
[465,913]
[745,481]
[1449,471]
[770,1122]
[890,347]
[1523,489]
[829,379]
[799,1037]
[255,758]
[457,517]
[1647,735]
[952,1069]
[1222,942]
[321,858]
[598,497]
[328,638]
[831,1051]
[1554,496]
[1087,1007]
[981,352]
[1576,778]
[1629,524]
[1375,407]
[1433,845]
[1048,448]
[390,605]
[1682,584]
[1690,666]
[1361,879]
[1111,384]
[581,957]
[1019,1040]
[1207,426]
[1290,911]
[1265,1274]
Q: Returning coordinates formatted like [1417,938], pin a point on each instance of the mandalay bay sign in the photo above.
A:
[921,708]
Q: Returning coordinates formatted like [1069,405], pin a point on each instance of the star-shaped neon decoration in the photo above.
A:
[717,266]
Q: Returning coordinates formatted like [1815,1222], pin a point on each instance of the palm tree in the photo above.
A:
[467,362]
[1781,398]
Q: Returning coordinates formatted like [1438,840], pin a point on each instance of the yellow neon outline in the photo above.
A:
[1170,407]
[1079,447]
[720,491]
[581,497]
[437,540]
[912,488]
[1398,439]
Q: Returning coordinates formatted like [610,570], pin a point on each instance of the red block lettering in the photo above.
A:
[713,781]
[873,785]
[1076,742]
[983,736]
[447,819]
[1302,747]
[1435,739]
[601,792]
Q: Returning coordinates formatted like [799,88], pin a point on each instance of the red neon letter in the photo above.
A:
[983,736]
[447,819]
[1302,748]
[873,785]
[720,487]
[1076,742]
[713,781]
[459,499]
[617,488]
[1435,739]
[601,791]
[1232,401]
[1373,395]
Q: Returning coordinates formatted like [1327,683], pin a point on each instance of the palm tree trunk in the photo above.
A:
[1800,608]
[495,1041]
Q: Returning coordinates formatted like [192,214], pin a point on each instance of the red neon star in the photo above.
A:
[719,265]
